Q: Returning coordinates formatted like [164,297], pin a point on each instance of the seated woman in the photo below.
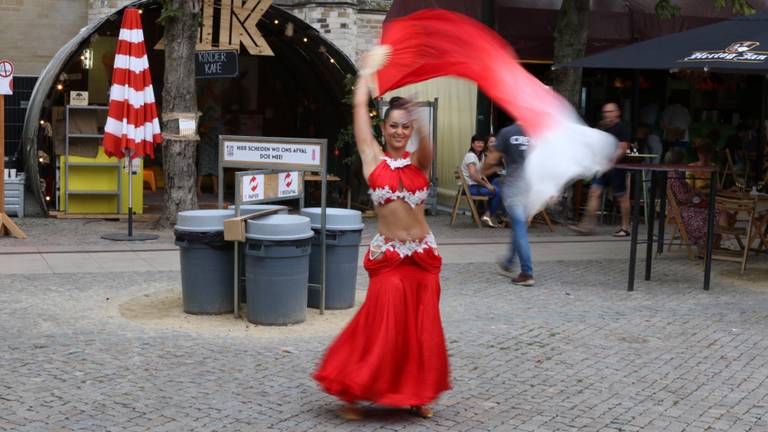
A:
[693,205]
[471,170]
[700,181]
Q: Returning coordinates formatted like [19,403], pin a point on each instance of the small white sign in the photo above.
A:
[6,77]
[253,187]
[288,184]
[187,127]
[272,153]
[135,166]
[78,98]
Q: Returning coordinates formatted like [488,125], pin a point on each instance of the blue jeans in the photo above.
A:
[519,247]
[494,198]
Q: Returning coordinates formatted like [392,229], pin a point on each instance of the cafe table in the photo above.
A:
[636,170]
[641,158]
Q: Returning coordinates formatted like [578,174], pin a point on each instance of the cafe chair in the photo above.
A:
[730,171]
[760,226]
[463,191]
[744,235]
[542,216]
[674,216]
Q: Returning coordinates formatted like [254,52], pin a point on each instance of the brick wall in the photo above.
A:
[368,29]
[100,8]
[32,31]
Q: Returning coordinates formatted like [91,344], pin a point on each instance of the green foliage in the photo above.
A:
[168,12]
[666,10]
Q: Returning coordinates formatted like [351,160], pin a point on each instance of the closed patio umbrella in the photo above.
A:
[132,128]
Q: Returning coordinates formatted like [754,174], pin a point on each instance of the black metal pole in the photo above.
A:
[635,102]
[483,118]
[662,211]
[130,221]
[635,190]
[710,228]
[651,214]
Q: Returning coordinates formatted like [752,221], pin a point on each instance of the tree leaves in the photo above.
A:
[665,9]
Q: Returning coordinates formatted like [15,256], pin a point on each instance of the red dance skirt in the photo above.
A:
[393,351]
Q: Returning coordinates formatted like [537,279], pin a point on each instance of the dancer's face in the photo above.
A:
[397,129]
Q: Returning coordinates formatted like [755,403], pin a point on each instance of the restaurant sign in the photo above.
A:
[216,64]
[738,52]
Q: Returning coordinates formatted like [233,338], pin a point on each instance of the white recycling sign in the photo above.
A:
[288,184]
[253,188]
[6,77]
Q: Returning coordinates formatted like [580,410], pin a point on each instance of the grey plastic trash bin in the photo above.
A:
[247,209]
[277,251]
[207,261]
[343,229]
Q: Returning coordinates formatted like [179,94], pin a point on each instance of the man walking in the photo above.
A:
[511,144]
[615,178]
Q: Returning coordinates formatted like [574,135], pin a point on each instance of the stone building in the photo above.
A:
[352,25]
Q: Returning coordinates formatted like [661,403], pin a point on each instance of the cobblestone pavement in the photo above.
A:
[575,352]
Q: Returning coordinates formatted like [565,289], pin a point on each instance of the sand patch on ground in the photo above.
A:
[164,310]
[754,277]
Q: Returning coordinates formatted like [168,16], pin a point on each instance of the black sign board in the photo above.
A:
[216,64]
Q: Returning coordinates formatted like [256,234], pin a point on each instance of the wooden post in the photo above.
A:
[7,226]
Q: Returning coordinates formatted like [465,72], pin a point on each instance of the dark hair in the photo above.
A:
[396,103]
[477,137]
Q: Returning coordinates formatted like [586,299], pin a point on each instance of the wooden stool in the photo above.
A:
[149,179]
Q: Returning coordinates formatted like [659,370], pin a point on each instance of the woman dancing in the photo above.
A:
[393,351]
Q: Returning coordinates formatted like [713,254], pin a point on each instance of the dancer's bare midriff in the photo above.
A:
[399,221]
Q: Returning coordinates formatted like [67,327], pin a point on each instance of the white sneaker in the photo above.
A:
[488,221]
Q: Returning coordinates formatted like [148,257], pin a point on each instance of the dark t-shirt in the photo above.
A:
[620,131]
[512,143]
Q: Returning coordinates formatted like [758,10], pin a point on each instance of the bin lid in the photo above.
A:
[279,227]
[336,219]
[247,209]
[203,220]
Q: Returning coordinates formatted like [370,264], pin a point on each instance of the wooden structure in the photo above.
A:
[463,191]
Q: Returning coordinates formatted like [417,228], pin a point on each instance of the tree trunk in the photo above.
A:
[570,43]
[179,97]
[571,32]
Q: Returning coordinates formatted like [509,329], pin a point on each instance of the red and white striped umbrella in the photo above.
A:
[132,126]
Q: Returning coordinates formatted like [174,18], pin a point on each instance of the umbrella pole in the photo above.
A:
[130,236]
[130,193]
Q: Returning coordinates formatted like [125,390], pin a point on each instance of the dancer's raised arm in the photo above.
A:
[367,146]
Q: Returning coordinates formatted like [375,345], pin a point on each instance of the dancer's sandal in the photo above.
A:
[422,411]
[350,412]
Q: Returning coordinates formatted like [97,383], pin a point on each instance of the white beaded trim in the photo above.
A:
[396,163]
[379,245]
[380,196]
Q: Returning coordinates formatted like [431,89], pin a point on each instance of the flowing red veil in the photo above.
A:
[435,42]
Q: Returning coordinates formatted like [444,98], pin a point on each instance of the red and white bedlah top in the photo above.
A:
[394,179]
